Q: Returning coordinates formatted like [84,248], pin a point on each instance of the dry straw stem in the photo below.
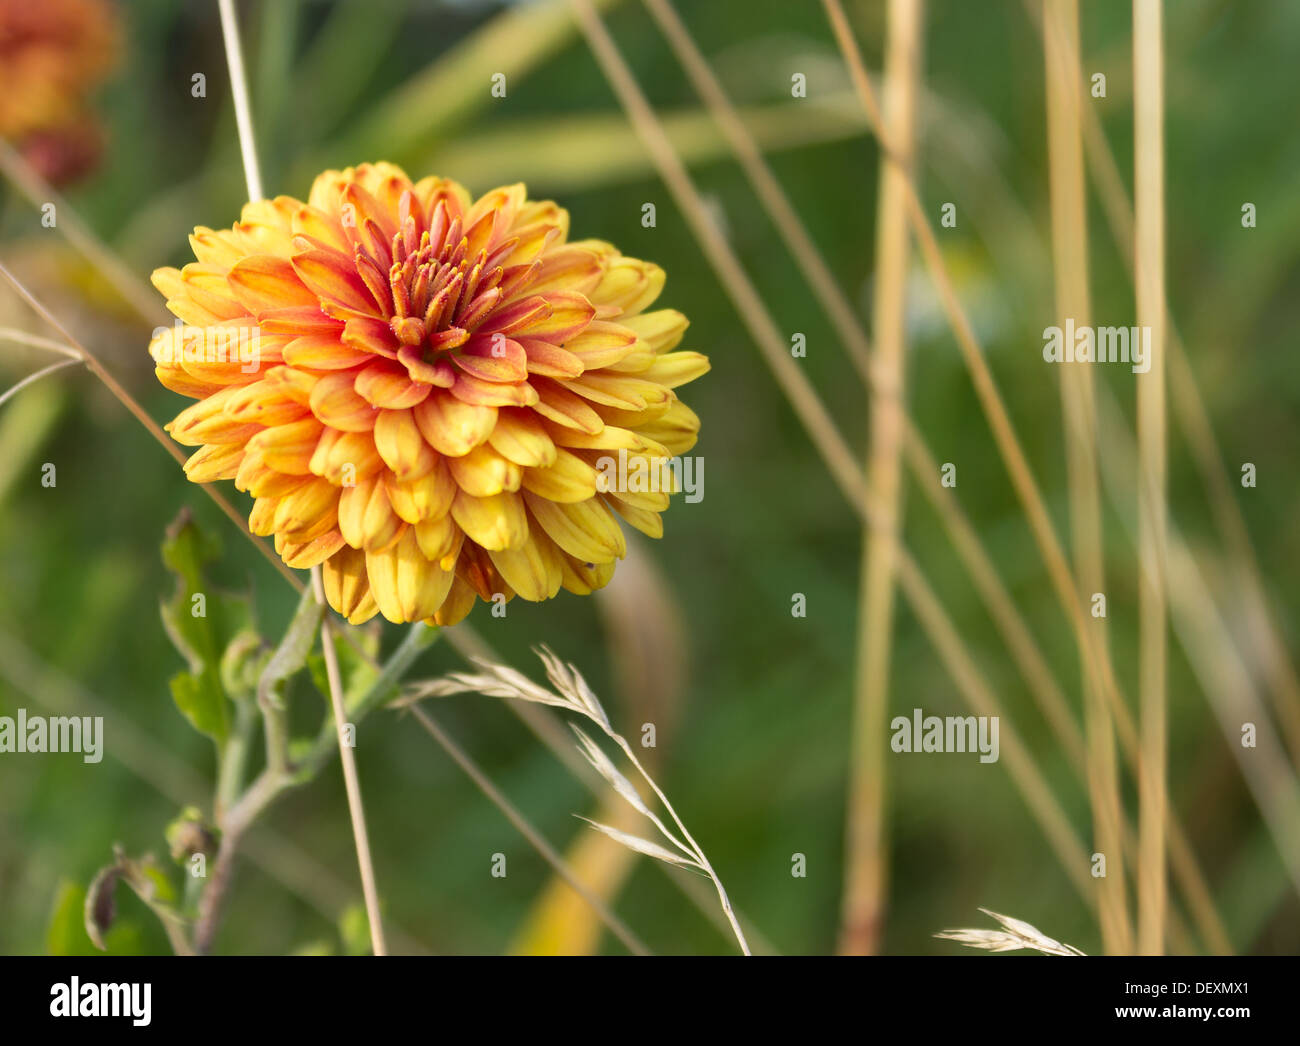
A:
[1094,655]
[1148,196]
[1015,632]
[572,694]
[1194,420]
[1010,623]
[1096,660]
[1115,433]
[1070,255]
[1220,670]
[866,837]
[961,666]
[1016,935]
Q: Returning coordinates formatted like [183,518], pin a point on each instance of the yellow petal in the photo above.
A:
[569,479]
[219,461]
[662,329]
[483,472]
[495,522]
[400,444]
[459,602]
[585,530]
[366,519]
[346,457]
[676,368]
[406,585]
[520,436]
[307,554]
[440,540]
[428,497]
[288,448]
[534,571]
[347,586]
[452,427]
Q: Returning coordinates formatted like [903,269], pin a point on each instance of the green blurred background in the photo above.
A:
[756,758]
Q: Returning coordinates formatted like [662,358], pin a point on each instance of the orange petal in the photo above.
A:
[335,401]
[323,352]
[388,384]
[493,358]
[333,277]
[473,390]
[570,314]
[267,282]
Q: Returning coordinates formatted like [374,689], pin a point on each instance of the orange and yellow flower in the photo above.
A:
[435,385]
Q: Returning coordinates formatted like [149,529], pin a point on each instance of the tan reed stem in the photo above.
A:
[1070,243]
[1148,196]
[866,875]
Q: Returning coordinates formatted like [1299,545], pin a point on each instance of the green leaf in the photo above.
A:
[202,622]
[202,702]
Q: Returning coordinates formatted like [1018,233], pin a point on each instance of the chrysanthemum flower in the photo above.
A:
[52,53]
[437,389]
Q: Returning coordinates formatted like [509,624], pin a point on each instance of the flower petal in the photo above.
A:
[400,444]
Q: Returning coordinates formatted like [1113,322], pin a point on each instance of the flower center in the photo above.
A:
[439,292]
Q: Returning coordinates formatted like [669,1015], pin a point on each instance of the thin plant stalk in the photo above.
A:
[549,854]
[1148,198]
[866,875]
[571,693]
[34,377]
[1070,251]
[348,760]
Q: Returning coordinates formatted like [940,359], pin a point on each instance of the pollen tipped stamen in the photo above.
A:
[479,309]
[397,279]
